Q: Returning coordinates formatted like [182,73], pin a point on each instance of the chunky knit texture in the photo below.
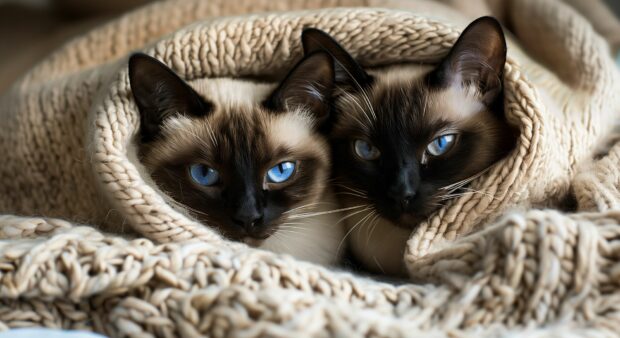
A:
[491,269]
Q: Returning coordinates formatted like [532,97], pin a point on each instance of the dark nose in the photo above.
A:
[404,189]
[403,196]
[246,209]
[247,218]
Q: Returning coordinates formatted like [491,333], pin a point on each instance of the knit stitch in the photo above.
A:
[502,259]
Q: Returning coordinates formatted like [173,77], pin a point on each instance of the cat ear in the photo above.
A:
[347,70]
[160,93]
[308,86]
[477,58]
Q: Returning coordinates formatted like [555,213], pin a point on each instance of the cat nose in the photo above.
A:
[404,188]
[407,200]
[402,195]
[404,199]
[247,219]
[246,208]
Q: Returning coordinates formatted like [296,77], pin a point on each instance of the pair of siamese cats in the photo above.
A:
[333,153]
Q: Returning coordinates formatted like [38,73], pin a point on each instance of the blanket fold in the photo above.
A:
[533,245]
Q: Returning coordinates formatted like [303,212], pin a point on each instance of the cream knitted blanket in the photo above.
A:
[489,269]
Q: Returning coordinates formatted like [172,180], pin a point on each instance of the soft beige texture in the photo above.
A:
[602,19]
[67,153]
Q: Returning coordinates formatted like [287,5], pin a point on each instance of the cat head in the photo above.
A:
[236,155]
[406,138]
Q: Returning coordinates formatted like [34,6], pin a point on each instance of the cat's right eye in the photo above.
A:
[440,145]
[282,172]
[365,150]
[203,175]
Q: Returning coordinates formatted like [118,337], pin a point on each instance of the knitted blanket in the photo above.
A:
[534,249]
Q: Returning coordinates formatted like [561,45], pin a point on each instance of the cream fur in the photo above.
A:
[457,102]
[317,239]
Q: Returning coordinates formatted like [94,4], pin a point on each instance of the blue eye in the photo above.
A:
[366,151]
[204,175]
[281,172]
[441,144]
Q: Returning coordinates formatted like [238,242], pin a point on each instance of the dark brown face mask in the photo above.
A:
[410,142]
[231,166]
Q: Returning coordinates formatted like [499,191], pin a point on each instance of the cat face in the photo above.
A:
[407,138]
[236,155]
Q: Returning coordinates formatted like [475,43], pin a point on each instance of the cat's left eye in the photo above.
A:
[204,175]
[366,150]
[281,172]
[441,144]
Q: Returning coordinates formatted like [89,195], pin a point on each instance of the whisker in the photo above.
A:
[188,208]
[465,192]
[474,191]
[293,227]
[306,206]
[282,242]
[367,99]
[293,232]
[364,93]
[353,228]
[461,183]
[349,188]
[313,214]
[452,196]
[378,264]
[352,214]
[351,98]
[373,225]
[351,194]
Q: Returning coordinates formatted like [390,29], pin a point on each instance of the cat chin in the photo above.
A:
[253,242]
[379,244]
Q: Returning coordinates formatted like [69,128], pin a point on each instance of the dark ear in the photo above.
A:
[347,70]
[159,94]
[308,86]
[477,58]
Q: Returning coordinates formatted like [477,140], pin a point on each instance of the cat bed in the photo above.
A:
[500,261]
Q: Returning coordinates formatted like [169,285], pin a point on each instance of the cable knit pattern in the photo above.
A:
[492,263]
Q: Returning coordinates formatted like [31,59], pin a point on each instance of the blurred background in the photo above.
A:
[30,29]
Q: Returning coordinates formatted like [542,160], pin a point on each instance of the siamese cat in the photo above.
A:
[407,138]
[246,158]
